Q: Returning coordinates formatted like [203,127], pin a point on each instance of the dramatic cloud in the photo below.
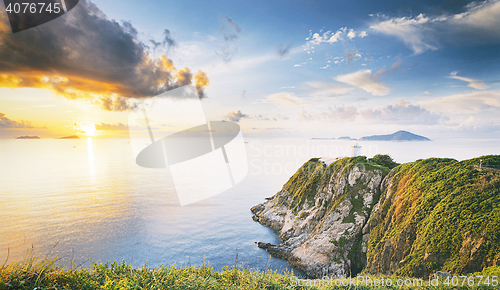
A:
[285,99]
[366,81]
[84,55]
[8,123]
[478,85]
[340,114]
[201,81]
[479,24]
[403,113]
[111,127]
[235,116]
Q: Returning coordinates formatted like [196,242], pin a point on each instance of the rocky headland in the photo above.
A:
[340,218]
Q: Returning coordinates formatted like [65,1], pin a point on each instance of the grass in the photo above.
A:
[39,273]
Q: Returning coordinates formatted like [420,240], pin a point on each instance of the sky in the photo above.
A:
[312,69]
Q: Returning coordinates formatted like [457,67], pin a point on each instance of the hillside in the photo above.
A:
[421,217]
[398,136]
[436,214]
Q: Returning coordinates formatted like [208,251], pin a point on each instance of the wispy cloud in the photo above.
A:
[411,30]
[402,112]
[467,103]
[285,99]
[476,84]
[365,80]
[111,127]
[479,24]
[339,114]
[324,89]
[230,32]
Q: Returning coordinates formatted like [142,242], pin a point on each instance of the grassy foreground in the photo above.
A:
[38,273]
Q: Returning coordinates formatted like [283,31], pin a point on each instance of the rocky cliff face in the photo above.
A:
[340,218]
[320,214]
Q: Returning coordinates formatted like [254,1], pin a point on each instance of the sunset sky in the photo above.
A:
[278,68]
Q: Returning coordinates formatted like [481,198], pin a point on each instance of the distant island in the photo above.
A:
[70,137]
[28,137]
[398,136]
[345,138]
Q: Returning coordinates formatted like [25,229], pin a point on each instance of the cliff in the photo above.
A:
[353,214]
[320,214]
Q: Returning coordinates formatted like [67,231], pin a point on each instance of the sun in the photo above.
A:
[89,130]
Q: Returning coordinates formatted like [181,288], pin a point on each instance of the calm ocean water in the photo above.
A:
[87,199]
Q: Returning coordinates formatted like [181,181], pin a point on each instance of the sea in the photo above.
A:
[87,200]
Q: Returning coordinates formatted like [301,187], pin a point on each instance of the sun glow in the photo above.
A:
[89,130]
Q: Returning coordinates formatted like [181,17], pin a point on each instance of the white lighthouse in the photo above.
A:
[356,150]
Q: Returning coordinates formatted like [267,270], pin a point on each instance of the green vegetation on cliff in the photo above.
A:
[305,183]
[440,214]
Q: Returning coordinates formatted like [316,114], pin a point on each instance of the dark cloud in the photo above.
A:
[83,54]
[230,30]
[116,104]
[168,41]
[227,53]
[184,77]
[230,33]
[394,67]
[8,123]
[235,116]
[129,28]
[283,49]
[349,56]
[402,112]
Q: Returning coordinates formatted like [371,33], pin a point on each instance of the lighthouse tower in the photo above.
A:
[356,150]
